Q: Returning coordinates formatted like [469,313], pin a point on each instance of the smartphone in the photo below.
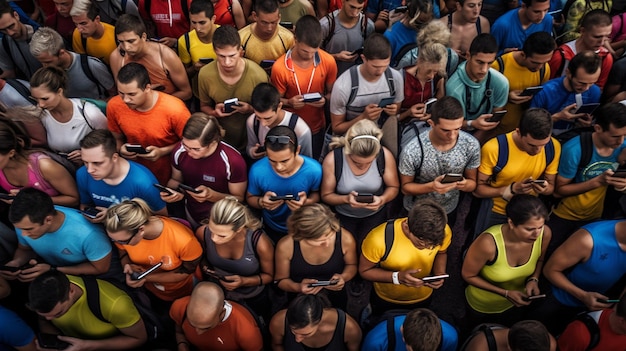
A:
[228,105]
[288,25]
[358,51]
[540,181]
[587,108]
[205,60]
[386,101]
[497,116]
[188,188]
[285,197]
[265,64]
[163,189]
[364,198]
[401,9]
[428,105]
[608,301]
[141,275]
[451,178]
[15,269]
[619,173]
[136,148]
[50,341]
[324,283]
[312,97]
[90,212]
[219,276]
[435,278]
[6,196]
[260,149]
[530,91]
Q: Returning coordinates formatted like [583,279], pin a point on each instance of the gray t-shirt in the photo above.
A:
[345,39]
[19,58]
[464,155]
[12,98]
[79,86]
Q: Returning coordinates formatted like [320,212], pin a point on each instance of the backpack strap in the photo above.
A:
[586,148]
[503,156]
[363,26]
[549,149]
[185,7]
[93,297]
[592,327]
[450,22]
[146,5]
[338,153]
[188,44]
[478,26]
[380,162]
[5,45]
[22,89]
[389,235]
[292,121]
[391,332]
[354,78]
[82,112]
[561,53]
[84,63]
[83,42]
[390,82]
[501,64]
[491,339]
[331,28]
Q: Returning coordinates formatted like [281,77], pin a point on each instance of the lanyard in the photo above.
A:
[308,88]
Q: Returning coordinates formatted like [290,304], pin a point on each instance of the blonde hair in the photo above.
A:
[434,53]
[433,32]
[312,221]
[128,215]
[229,211]
[362,139]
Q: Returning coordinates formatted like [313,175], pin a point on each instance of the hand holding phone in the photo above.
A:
[218,276]
[141,275]
[324,283]
[619,173]
[312,97]
[15,269]
[51,341]
[365,198]
[428,105]
[587,108]
[285,197]
[136,148]
[534,297]
[435,278]
[6,196]
[497,116]
[90,212]
[608,301]
[386,101]
[163,189]
[530,91]
[188,188]
[451,178]
[229,104]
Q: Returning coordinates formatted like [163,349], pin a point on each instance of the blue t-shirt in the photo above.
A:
[376,339]
[509,33]
[374,6]
[76,241]
[262,179]
[138,183]
[571,153]
[481,102]
[554,98]
[399,36]
[14,331]
[602,270]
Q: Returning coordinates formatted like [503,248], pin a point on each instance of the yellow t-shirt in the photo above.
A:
[100,48]
[402,256]
[197,49]
[116,306]
[520,166]
[519,78]
[258,50]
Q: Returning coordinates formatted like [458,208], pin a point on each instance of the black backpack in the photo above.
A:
[380,164]
[332,24]
[592,327]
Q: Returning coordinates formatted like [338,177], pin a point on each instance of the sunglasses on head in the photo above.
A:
[278,139]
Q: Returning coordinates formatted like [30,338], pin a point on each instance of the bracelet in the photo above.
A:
[469,124]
[532,279]
[394,278]
[258,202]
[621,189]
[506,294]
[260,279]
[512,192]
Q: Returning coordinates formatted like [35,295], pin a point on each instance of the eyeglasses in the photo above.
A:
[279,139]
[127,241]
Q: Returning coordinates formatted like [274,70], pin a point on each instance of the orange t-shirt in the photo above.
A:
[161,126]
[176,244]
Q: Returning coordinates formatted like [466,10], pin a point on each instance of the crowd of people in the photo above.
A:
[238,174]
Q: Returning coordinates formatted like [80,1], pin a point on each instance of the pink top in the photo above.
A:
[35,178]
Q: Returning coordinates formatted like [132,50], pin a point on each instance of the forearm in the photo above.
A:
[85,268]
[335,199]
[254,280]
[439,265]
[389,194]
[349,271]
[487,191]
[120,342]
[289,285]
[183,94]
[343,126]
[414,188]
[481,283]
[377,275]
[166,277]
[208,109]
[182,343]
[65,200]
[572,189]
[559,280]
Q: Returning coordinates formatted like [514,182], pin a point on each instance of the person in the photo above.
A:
[577,336]
[525,335]
[380,12]
[402,33]
[354,169]
[15,93]
[427,160]
[162,117]
[583,186]
[580,274]
[47,47]
[419,329]
[344,31]
[292,10]
[533,171]
[480,89]
[167,72]
[66,121]
[54,238]
[195,48]
[269,113]
[595,29]
[229,13]
[22,167]
[575,12]
[375,82]
[308,323]
[108,179]
[15,333]
[512,28]
[265,38]
[523,69]
[465,24]
[563,96]
[283,171]
[306,69]
[166,20]
[61,21]
[316,249]
[237,250]
[231,76]
[18,62]
[60,300]
[206,321]
[145,240]
[92,36]
[201,160]
[111,10]
[419,249]
[503,264]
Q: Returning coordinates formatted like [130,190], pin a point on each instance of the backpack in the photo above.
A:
[390,317]
[503,155]
[100,104]
[332,23]
[22,89]
[542,70]
[380,163]
[152,322]
[586,144]
[84,63]
[487,329]
[354,79]
[592,327]
[389,237]
[292,124]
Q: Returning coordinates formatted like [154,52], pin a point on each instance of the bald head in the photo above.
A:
[206,305]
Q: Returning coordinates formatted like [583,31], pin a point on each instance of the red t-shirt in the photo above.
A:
[167,16]
[576,336]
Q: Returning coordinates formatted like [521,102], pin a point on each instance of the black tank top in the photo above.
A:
[300,269]
[335,344]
